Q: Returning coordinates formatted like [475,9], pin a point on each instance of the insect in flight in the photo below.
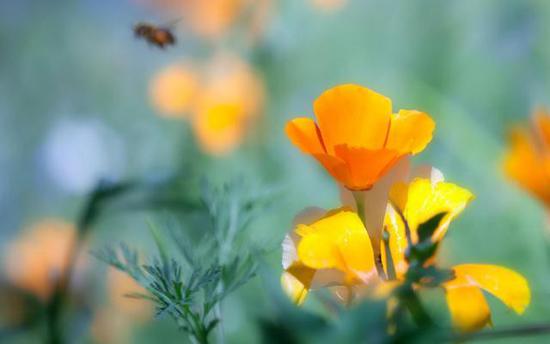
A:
[155,35]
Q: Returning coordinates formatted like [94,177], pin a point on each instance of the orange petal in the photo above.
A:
[353,115]
[524,164]
[365,166]
[508,286]
[541,122]
[467,305]
[410,131]
[304,134]
[336,167]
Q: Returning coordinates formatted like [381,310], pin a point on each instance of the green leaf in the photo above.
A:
[427,229]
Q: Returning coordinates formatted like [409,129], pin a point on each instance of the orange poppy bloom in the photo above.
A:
[528,160]
[356,137]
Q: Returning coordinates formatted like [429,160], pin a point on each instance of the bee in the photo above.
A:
[158,36]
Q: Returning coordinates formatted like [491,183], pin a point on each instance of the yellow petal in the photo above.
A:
[507,285]
[467,305]
[338,240]
[295,289]
[304,134]
[425,200]
[410,131]
[353,115]
[398,242]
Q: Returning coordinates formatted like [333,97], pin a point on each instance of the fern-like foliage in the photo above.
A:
[189,286]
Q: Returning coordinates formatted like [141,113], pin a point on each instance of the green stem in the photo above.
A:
[418,313]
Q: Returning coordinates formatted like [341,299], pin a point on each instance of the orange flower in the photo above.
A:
[173,89]
[35,261]
[528,160]
[228,103]
[209,19]
[222,99]
[328,5]
[213,17]
[357,138]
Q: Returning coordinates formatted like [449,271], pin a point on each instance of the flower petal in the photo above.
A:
[524,164]
[375,200]
[410,131]
[425,200]
[353,115]
[304,134]
[398,242]
[366,166]
[295,289]
[467,305]
[337,241]
[508,286]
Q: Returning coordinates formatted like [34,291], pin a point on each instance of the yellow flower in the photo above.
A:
[419,201]
[468,307]
[173,90]
[36,259]
[528,160]
[357,138]
[334,250]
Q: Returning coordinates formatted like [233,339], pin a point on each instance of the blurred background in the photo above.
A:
[82,99]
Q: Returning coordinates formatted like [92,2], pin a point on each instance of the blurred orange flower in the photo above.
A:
[528,158]
[173,89]
[357,138]
[36,259]
[329,5]
[230,100]
[212,19]
[223,98]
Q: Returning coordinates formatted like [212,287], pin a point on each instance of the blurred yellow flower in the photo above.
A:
[173,89]
[528,158]
[35,260]
[357,138]
[334,250]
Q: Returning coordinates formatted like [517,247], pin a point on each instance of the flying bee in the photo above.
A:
[158,36]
